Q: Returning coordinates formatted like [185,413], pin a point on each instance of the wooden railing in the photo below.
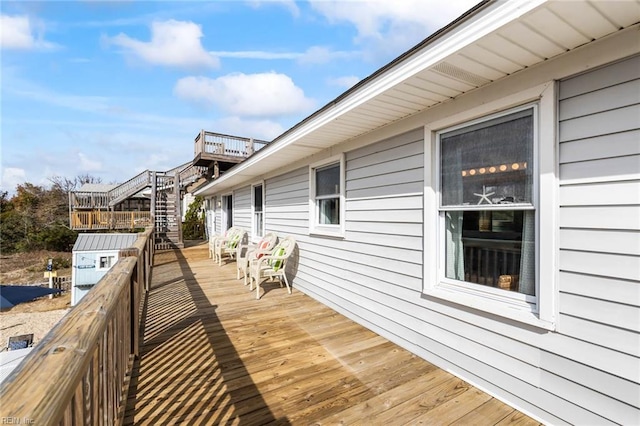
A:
[109,220]
[79,373]
[234,146]
[89,199]
[129,188]
[191,174]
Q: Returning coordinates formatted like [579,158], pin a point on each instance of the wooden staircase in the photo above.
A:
[129,188]
[165,201]
[214,153]
[166,211]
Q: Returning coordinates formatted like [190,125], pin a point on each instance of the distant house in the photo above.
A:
[477,201]
[93,255]
[160,198]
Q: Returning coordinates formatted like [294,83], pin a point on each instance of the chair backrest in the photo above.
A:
[230,231]
[237,236]
[268,242]
[283,250]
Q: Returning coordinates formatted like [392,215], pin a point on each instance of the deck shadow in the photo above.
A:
[189,370]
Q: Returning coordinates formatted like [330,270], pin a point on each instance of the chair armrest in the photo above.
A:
[221,240]
[247,247]
[259,262]
[253,254]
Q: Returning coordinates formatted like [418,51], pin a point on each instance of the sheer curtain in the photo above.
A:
[528,255]
[454,247]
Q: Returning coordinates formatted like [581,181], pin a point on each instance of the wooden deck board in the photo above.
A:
[213,354]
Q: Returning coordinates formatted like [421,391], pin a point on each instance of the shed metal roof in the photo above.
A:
[94,242]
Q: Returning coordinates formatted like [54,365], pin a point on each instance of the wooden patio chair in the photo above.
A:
[273,265]
[214,240]
[227,247]
[247,252]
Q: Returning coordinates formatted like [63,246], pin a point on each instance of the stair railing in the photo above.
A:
[191,174]
[130,187]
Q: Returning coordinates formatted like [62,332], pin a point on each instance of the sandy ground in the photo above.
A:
[36,323]
[37,318]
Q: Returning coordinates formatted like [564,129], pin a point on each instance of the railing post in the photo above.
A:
[134,312]
[154,189]
[249,148]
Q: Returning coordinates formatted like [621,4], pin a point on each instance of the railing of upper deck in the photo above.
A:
[79,373]
[220,144]
[89,200]
[97,219]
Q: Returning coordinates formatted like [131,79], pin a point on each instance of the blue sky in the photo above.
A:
[113,88]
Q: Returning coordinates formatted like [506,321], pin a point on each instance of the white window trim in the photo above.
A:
[254,235]
[546,151]
[314,227]
[210,216]
[224,212]
[115,259]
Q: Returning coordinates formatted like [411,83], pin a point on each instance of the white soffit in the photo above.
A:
[500,39]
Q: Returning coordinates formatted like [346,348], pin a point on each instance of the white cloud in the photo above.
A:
[313,55]
[347,81]
[290,5]
[173,43]
[11,177]
[254,95]
[323,55]
[17,32]
[257,129]
[256,54]
[87,165]
[387,27]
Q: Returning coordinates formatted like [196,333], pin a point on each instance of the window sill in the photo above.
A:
[327,233]
[490,306]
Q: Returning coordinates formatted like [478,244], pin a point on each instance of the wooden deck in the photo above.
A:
[213,354]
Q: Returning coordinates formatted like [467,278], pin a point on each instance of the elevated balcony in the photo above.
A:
[209,353]
[223,150]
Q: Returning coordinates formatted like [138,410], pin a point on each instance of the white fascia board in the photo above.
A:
[487,21]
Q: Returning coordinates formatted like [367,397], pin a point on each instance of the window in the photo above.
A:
[487,210]
[327,197]
[227,212]
[106,262]
[257,206]
[490,207]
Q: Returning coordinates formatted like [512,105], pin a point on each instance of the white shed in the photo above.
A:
[93,255]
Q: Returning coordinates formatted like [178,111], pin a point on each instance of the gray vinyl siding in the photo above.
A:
[242,208]
[375,276]
[381,252]
[587,371]
[287,203]
[599,259]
